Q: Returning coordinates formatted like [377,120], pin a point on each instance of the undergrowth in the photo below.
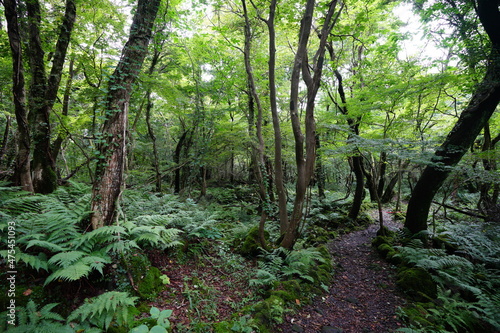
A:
[466,270]
[54,241]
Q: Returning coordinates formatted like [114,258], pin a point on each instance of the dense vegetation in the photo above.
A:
[207,150]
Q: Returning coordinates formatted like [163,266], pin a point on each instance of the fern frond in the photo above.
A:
[105,308]
[65,259]
[36,262]
[45,245]
[73,272]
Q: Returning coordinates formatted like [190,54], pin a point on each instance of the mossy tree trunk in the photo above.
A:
[112,146]
[22,172]
[43,92]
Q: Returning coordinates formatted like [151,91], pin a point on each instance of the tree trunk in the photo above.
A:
[258,154]
[5,138]
[278,159]
[320,174]
[489,191]
[156,160]
[22,173]
[43,92]
[356,160]
[476,115]
[112,147]
[359,191]
[177,159]
[305,160]
[65,110]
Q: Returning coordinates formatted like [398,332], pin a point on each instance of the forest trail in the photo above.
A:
[363,296]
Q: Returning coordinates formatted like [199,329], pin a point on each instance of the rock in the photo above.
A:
[297,328]
[352,300]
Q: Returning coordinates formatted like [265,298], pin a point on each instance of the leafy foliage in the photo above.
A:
[282,264]
[54,229]
[30,319]
[113,306]
[468,279]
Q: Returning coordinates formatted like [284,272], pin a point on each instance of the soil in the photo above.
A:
[363,296]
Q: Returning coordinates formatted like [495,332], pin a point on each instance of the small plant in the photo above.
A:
[162,322]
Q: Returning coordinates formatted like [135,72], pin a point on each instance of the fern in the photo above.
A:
[36,262]
[155,236]
[30,319]
[74,265]
[104,309]
[283,264]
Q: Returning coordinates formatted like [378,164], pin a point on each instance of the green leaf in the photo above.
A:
[155,312]
[140,329]
[158,329]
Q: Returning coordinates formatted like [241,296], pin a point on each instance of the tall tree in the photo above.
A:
[473,119]
[112,145]
[43,91]
[22,175]
[305,143]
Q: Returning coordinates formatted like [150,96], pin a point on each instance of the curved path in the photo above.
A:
[363,296]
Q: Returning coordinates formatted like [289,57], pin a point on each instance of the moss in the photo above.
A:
[146,277]
[384,231]
[250,246]
[443,242]
[417,283]
[268,312]
[379,240]
[223,327]
[384,249]
[393,258]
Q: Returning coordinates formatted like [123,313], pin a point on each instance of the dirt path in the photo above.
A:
[362,297]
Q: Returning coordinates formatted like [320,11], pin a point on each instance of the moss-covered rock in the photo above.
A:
[379,240]
[384,249]
[250,247]
[384,231]
[268,312]
[417,283]
[146,277]
[393,258]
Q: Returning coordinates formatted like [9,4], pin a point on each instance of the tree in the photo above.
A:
[305,144]
[473,119]
[112,142]
[43,92]
[22,176]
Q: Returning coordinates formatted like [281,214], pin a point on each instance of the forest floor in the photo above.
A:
[363,296]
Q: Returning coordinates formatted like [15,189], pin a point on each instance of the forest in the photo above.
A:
[249,166]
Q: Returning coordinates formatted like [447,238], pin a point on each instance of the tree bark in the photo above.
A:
[22,173]
[177,160]
[56,147]
[5,138]
[320,174]
[43,92]
[279,177]
[475,116]
[112,147]
[357,159]
[305,158]
[258,155]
